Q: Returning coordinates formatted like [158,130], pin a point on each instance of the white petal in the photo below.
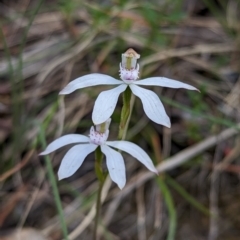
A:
[164,82]
[90,80]
[152,105]
[135,151]
[74,159]
[115,165]
[65,140]
[106,103]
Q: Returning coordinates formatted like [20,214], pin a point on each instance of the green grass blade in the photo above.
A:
[54,185]
[171,208]
[186,195]
[213,119]
[25,34]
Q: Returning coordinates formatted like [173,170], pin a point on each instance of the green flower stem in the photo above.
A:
[101,178]
[98,208]
[126,110]
[98,164]
[53,182]
[128,102]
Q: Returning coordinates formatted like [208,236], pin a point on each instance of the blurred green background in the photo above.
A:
[46,44]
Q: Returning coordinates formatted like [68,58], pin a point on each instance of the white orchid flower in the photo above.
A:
[129,70]
[98,138]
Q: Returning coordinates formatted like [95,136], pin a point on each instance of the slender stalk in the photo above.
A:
[53,182]
[132,101]
[128,102]
[101,179]
[98,208]
[126,110]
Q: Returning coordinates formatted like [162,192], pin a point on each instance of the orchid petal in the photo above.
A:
[74,159]
[164,82]
[89,80]
[152,105]
[135,151]
[106,103]
[63,141]
[115,165]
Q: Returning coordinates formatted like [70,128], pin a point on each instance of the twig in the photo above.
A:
[61,113]
[207,48]
[171,163]
[18,166]
[32,200]
[141,227]
[67,57]
[8,207]
[213,198]
[88,219]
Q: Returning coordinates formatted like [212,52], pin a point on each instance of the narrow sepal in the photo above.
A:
[63,141]
[88,81]
[152,105]
[106,103]
[164,82]
[74,159]
[115,165]
[135,151]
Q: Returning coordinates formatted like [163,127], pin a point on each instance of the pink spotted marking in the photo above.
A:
[129,76]
[97,137]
